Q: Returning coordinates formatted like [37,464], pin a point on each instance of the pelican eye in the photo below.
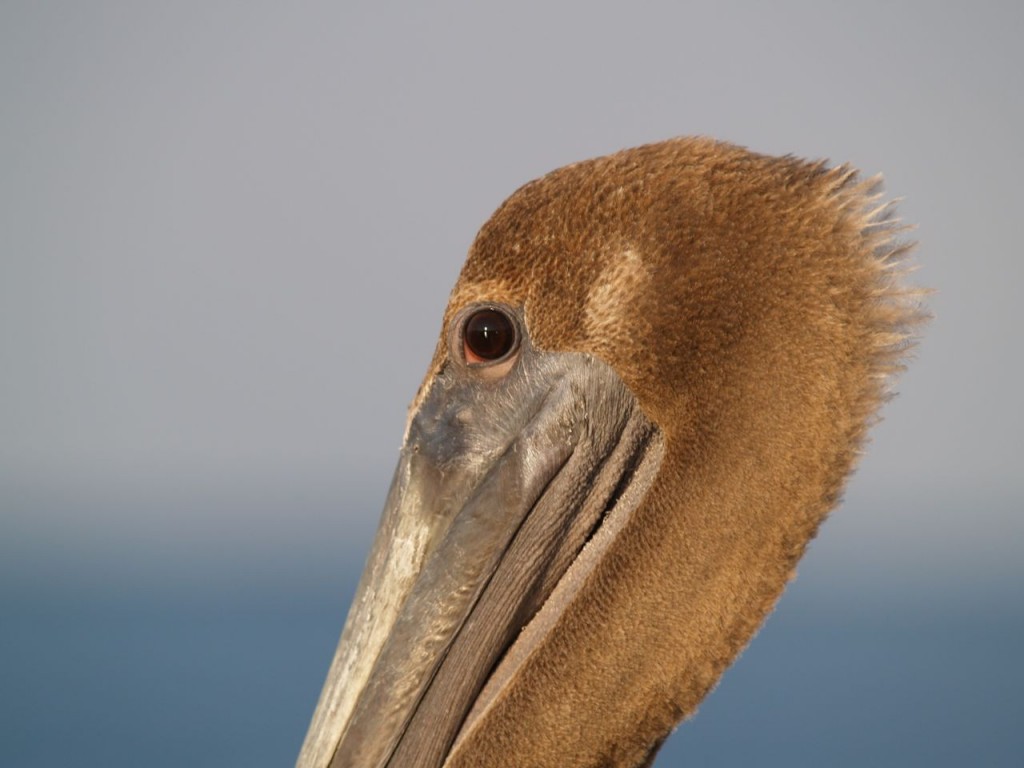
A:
[488,335]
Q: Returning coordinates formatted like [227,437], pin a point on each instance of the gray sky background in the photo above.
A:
[228,231]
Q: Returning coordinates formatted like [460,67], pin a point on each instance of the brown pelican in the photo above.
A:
[654,374]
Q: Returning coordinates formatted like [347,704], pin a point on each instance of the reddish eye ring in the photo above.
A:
[488,335]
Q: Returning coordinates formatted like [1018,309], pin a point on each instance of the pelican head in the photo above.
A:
[654,374]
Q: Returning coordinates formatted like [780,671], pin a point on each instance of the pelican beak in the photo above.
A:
[500,484]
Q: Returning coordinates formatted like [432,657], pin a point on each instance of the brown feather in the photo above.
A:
[754,306]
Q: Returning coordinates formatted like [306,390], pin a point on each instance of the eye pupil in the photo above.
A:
[489,335]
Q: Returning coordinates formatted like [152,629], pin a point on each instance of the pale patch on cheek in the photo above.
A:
[610,315]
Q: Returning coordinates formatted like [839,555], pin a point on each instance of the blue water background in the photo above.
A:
[158,660]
